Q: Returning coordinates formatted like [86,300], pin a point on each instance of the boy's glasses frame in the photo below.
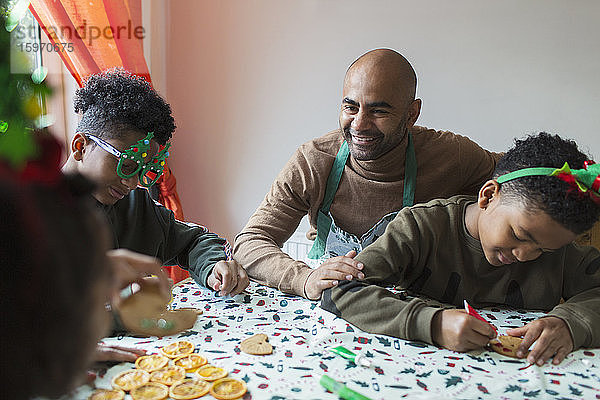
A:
[136,154]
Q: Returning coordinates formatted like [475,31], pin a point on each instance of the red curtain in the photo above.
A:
[95,35]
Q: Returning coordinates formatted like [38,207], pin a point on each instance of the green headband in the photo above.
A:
[586,179]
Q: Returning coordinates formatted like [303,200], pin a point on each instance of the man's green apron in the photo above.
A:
[332,241]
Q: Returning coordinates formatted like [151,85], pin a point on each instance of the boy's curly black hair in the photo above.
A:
[115,102]
[558,199]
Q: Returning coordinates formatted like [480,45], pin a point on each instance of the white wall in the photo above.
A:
[251,80]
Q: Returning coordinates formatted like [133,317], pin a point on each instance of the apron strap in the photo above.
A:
[324,220]
[410,174]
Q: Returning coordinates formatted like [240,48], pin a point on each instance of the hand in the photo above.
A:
[331,272]
[117,353]
[228,277]
[553,339]
[130,267]
[456,330]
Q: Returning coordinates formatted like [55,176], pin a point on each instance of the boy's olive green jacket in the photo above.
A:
[427,250]
[140,224]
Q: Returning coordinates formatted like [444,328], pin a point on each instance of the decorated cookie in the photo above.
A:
[130,379]
[210,373]
[177,349]
[151,362]
[107,394]
[168,375]
[189,388]
[150,391]
[145,313]
[228,388]
[190,362]
[257,345]
[506,345]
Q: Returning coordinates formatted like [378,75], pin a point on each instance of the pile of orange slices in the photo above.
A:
[164,375]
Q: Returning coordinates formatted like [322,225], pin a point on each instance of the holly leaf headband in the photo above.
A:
[586,181]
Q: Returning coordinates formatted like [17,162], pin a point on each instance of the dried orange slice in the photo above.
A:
[130,379]
[191,362]
[107,394]
[151,362]
[168,375]
[177,349]
[228,388]
[190,388]
[150,391]
[210,373]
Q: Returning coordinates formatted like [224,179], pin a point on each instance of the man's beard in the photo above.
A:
[385,145]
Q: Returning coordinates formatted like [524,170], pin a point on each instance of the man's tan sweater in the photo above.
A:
[447,164]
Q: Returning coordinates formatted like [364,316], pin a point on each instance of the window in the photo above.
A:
[30,43]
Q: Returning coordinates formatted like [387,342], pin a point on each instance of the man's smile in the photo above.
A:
[363,140]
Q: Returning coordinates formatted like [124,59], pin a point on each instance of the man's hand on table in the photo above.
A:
[332,271]
[228,278]
[551,336]
[117,353]
[456,330]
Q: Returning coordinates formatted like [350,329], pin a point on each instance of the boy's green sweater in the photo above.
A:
[140,224]
[428,250]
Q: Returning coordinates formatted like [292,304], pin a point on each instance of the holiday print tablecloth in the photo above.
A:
[301,334]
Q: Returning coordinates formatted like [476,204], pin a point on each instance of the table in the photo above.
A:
[301,334]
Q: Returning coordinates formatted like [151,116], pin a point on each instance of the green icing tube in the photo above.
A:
[340,389]
[347,354]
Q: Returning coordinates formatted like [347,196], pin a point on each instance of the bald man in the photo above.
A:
[352,182]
